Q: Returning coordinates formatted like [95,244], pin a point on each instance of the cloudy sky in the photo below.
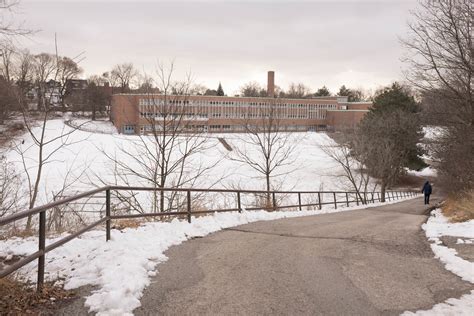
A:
[330,43]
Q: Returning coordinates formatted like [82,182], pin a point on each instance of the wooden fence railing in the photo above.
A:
[336,198]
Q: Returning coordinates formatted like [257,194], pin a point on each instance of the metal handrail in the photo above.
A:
[41,210]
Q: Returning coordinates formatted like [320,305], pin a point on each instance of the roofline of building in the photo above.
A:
[332,98]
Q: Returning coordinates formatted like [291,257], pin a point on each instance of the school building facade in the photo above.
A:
[143,113]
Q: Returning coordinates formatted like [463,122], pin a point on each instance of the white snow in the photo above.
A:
[99,126]
[311,169]
[464,306]
[433,132]
[121,268]
[437,226]
[427,172]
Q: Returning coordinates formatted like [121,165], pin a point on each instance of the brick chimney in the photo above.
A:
[271,84]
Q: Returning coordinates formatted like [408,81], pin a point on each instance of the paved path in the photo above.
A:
[366,262]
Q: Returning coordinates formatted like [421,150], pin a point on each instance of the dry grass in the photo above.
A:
[18,298]
[17,232]
[128,223]
[460,208]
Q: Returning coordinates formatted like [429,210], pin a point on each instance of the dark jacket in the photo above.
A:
[426,188]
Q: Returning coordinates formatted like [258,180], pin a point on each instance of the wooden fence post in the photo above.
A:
[107,214]
[347,199]
[319,200]
[41,246]
[238,202]
[274,201]
[335,201]
[189,206]
[299,200]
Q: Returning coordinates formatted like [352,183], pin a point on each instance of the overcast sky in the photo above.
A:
[330,43]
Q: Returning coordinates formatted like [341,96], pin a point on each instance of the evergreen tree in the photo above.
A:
[389,135]
[344,92]
[322,92]
[351,94]
[220,91]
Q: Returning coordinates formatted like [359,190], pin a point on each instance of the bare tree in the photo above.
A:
[252,89]
[44,69]
[345,154]
[198,89]
[441,66]
[123,76]
[267,148]
[67,69]
[24,73]
[442,54]
[8,52]
[41,148]
[8,100]
[10,187]
[71,214]
[9,26]
[7,89]
[297,91]
[163,156]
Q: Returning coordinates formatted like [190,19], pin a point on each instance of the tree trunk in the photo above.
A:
[268,201]
[383,187]
[93,112]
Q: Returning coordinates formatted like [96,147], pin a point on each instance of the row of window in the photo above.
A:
[232,113]
[146,129]
[161,102]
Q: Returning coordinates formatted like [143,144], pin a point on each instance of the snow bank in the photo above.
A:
[436,226]
[121,268]
[439,225]
[427,172]
[464,306]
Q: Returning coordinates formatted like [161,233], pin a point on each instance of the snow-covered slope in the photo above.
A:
[85,159]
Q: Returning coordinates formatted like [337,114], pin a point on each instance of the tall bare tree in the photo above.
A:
[297,91]
[252,89]
[267,148]
[123,76]
[24,73]
[44,69]
[441,66]
[8,52]
[41,148]
[67,69]
[10,187]
[9,25]
[163,156]
[345,154]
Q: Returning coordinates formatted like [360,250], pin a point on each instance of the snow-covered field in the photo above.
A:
[83,163]
[436,227]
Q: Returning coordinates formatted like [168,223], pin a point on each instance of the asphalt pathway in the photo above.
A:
[367,262]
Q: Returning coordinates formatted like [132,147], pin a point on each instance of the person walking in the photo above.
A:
[427,191]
